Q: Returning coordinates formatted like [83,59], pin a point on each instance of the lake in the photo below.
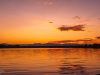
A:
[49,61]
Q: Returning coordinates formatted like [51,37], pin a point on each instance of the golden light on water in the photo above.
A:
[49,61]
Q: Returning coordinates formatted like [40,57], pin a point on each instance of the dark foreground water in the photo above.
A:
[49,61]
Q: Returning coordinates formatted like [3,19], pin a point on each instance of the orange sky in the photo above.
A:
[37,21]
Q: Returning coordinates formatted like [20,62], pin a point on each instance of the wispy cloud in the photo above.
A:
[63,41]
[77,17]
[50,22]
[48,3]
[85,39]
[73,41]
[98,18]
[84,20]
[73,28]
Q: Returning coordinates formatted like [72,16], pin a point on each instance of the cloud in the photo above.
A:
[98,18]
[66,41]
[84,20]
[73,28]
[98,37]
[79,19]
[48,3]
[73,41]
[86,39]
[63,41]
[76,17]
[50,22]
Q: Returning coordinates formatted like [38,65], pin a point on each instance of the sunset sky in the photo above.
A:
[41,21]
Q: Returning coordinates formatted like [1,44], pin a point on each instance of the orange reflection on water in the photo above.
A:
[49,61]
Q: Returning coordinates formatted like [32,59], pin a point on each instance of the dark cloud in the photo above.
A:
[76,17]
[73,28]
[98,37]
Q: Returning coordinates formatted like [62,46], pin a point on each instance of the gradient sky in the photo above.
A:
[37,21]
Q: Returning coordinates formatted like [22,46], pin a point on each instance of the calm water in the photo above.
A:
[59,61]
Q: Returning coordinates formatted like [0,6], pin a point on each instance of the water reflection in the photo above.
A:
[30,61]
[72,69]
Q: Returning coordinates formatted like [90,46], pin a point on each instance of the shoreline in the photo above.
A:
[50,46]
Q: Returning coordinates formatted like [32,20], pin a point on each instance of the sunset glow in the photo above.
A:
[40,21]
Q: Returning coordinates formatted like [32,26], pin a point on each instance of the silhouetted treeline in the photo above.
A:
[51,46]
[9,46]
